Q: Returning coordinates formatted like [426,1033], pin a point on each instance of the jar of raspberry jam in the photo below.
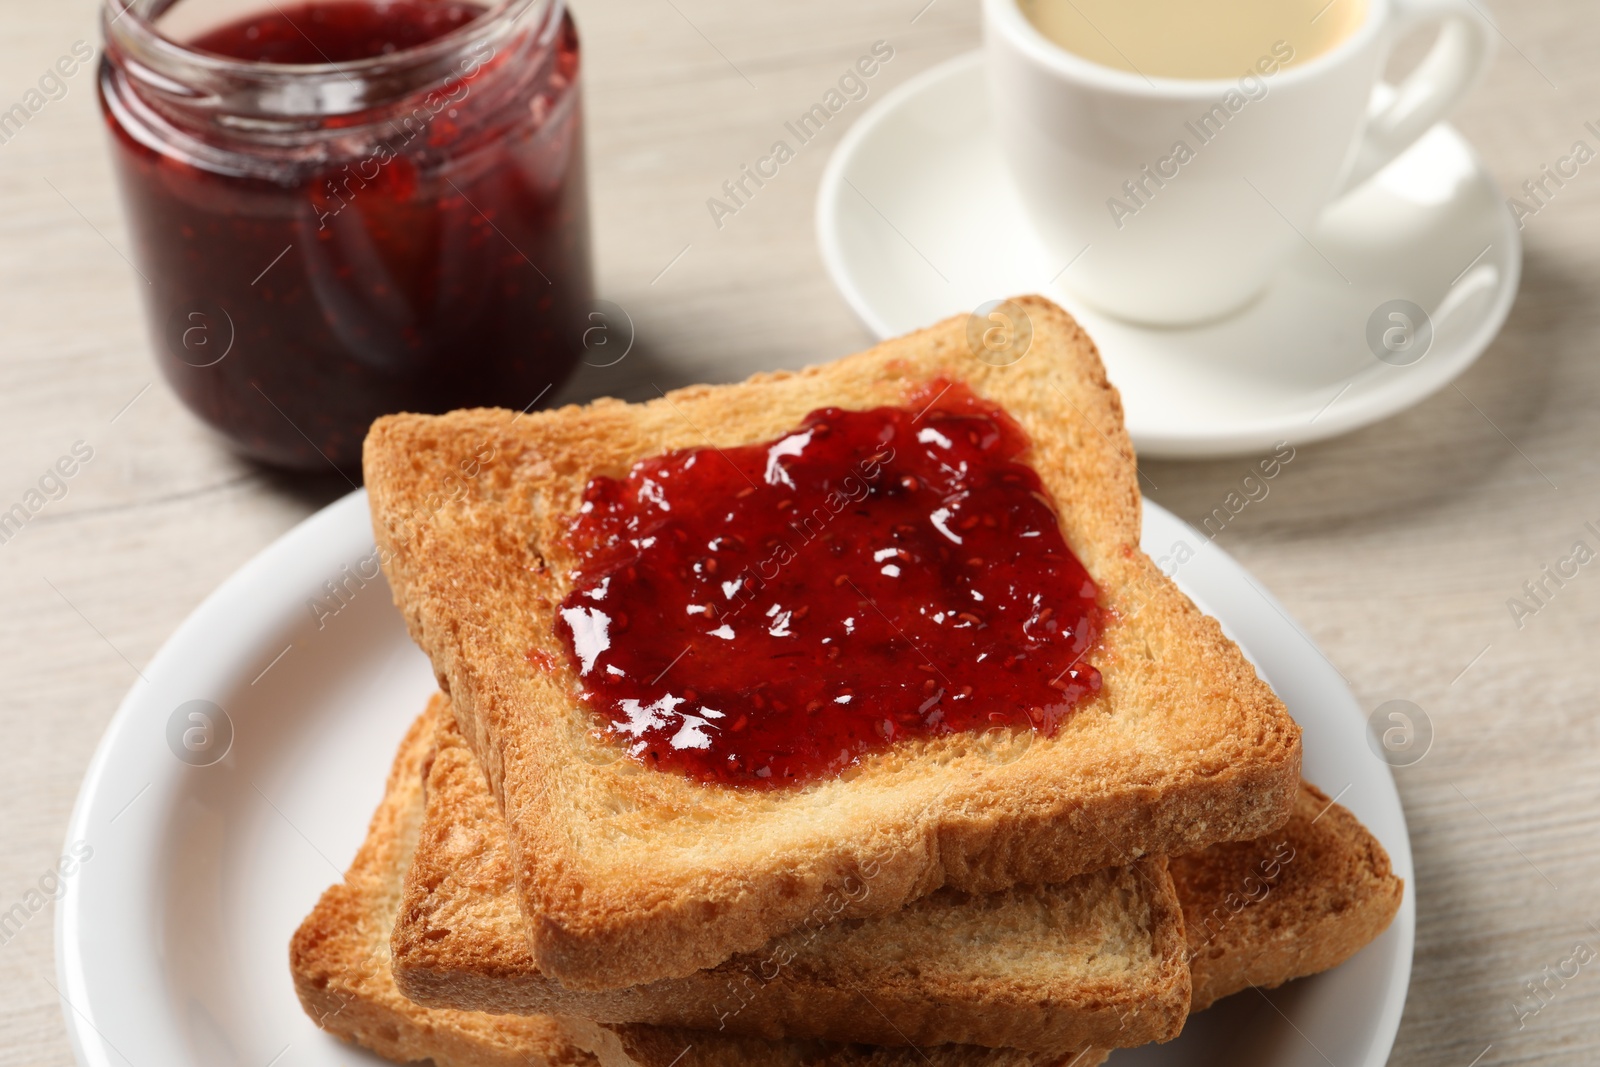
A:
[347,208]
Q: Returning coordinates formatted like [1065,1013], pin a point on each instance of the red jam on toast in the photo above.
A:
[768,614]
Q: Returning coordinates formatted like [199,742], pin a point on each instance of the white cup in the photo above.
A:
[1168,237]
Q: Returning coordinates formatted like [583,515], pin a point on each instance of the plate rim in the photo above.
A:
[1387,1019]
[321,529]
[317,540]
[1224,439]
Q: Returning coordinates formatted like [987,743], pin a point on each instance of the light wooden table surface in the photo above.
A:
[1396,547]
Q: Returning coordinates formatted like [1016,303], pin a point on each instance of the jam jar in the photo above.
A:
[347,208]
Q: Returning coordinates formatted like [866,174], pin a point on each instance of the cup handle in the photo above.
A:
[1457,60]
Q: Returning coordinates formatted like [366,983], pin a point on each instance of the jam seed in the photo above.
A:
[910,483]
[813,706]
[746,491]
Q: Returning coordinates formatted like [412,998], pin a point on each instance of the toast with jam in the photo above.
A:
[885,621]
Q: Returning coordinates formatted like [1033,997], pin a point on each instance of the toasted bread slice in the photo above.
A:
[340,954]
[626,874]
[1342,892]
[1258,913]
[1298,901]
[1101,960]
[339,959]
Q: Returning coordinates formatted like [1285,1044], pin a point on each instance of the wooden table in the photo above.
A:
[1397,547]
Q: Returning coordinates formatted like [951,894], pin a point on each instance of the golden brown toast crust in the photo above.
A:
[1260,913]
[628,875]
[336,955]
[340,965]
[339,956]
[1300,900]
[1099,961]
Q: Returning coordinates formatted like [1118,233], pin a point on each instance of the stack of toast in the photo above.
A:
[529,893]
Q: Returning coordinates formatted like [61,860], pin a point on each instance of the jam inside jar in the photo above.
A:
[348,208]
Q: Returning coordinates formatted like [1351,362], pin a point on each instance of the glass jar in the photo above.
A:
[400,225]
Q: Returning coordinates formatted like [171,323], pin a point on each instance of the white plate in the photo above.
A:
[918,219]
[171,942]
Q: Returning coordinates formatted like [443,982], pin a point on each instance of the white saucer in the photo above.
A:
[172,939]
[918,220]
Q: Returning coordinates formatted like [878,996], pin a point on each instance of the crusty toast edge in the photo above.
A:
[917,977]
[339,955]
